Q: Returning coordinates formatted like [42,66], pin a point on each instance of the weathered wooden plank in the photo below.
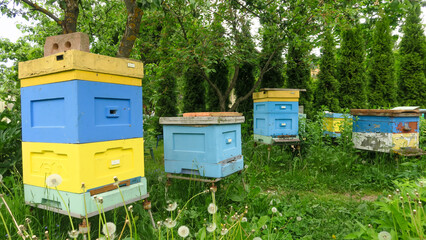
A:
[385,112]
[200,120]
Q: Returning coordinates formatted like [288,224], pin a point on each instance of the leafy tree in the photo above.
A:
[412,82]
[382,85]
[327,86]
[194,90]
[273,78]
[219,73]
[219,76]
[298,70]
[69,11]
[351,71]
[166,104]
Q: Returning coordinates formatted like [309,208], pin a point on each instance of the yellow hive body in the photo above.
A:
[291,95]
[80,75]
[333,124]
[79,60]
[95,164]
[405,140]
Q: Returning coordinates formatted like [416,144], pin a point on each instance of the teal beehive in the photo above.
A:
[203,144]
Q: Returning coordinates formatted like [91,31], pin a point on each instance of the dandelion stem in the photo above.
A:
[13,218]
[6,188]
[125,209]
[188,202]
[105,222]
[122,230]
[5,226]
[85,212]
[66,207]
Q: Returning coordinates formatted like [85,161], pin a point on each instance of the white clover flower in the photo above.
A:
[257,238]
[299,219]
[169,223]
[109,229]
[53,180]
[224,231]
[274,210]
[212,208]
[171,206]
[243,219]
[73,234]
[183,231]
[211,227]
[384,236]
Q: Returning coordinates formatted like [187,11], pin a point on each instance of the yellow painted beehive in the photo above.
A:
[94,164]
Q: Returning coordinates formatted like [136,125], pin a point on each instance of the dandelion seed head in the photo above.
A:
[109,229]
[73,234]
[53,180]
[169,223]
[171,206]
[274,210]
[264,227]
[384,235]
[299,219]
[257,238]
[212,208]
[243,219]
[183,231]
[211,227]
[224,231]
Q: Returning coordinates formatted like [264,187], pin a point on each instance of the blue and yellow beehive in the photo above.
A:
[82,119]
[334,123]
[205,144]
[276,114]
[391,130]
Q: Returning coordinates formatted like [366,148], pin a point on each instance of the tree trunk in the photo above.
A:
[69,25]
[134,16]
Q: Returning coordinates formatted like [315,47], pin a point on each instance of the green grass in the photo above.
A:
[320,191]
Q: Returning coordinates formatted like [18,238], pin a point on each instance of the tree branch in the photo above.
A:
[42,10]
[256,85]
[205,76]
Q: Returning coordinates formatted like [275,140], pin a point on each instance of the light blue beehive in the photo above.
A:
[81,112]
[206,146]
[276,118]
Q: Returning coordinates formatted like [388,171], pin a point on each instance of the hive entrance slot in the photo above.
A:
[51,203]
[113,111]
[190,171]
[59,57]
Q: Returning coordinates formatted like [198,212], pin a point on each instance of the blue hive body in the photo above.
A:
[375,124]
[201,148]
[81,112]
[276,118]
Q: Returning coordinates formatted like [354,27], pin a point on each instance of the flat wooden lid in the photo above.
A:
[386,112]
[212,114]
[282,89]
